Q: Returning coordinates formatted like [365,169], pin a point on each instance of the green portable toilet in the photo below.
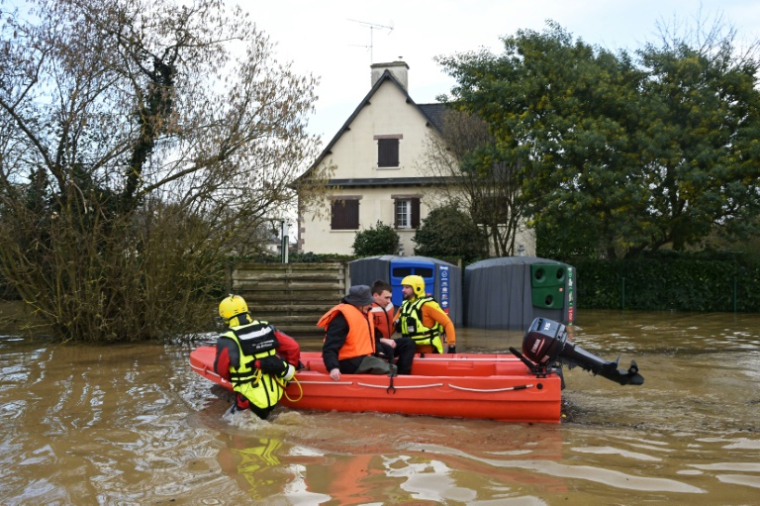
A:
[547,281]
[509,292]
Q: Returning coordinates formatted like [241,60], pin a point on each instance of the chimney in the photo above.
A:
[398,69]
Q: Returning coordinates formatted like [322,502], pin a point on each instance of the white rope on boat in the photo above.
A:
[491,390]
[326,382]
[400,387]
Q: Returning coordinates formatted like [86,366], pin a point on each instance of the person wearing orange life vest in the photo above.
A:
[257,359]
[423,320]
[349,344]
[383,315]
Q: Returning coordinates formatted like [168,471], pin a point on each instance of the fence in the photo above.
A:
[290,296]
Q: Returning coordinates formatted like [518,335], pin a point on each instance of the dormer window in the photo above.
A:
[388,151]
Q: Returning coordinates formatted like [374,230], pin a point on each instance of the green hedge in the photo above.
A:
[716,282]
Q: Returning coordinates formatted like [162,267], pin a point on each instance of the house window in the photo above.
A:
[407,212]
[403,214]
[387,150]
[345,214]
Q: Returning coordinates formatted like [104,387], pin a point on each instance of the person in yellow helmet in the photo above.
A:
[422,319]
[255,357]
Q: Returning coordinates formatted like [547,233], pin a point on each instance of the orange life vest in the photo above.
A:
[360,340]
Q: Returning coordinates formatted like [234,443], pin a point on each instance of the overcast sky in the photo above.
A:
[330,38]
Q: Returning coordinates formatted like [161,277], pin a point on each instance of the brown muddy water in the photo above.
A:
[133,425]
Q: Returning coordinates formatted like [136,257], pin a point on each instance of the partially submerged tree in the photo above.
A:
[139,142]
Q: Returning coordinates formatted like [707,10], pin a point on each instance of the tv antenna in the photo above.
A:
[372,27]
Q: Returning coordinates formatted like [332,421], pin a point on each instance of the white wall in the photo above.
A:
[376,204]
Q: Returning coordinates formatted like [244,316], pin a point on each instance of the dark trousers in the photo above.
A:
[403,353]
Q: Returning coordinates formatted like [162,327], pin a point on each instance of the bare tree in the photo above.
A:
[479,178]
[139,141]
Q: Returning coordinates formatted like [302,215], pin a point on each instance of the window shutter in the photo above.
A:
[395,213]
[415,213]
[352,214]
[336,213]
[344,215]
[387,152]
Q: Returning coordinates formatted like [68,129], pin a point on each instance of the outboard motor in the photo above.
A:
[545,343]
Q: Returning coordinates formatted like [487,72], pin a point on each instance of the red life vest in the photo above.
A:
[383,319]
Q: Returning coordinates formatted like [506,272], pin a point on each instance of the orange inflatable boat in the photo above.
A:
[498,387]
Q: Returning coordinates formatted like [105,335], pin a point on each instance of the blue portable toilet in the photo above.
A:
[442,280]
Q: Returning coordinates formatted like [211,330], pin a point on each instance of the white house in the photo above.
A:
[377,161]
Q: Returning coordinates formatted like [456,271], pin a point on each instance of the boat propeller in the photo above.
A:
[545,343]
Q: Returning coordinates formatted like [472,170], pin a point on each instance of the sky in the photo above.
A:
[331,39]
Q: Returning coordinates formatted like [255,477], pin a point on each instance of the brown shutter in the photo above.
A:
[387,152]
[352,215]
[344,215]
[415,213]
[336,213]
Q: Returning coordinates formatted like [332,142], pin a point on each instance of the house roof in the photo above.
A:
[433,113]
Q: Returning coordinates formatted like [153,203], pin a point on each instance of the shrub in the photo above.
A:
[448,232]
[380,240]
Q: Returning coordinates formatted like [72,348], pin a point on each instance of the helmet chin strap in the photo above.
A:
[242,319]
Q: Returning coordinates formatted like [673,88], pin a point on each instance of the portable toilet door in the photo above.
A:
[403,268]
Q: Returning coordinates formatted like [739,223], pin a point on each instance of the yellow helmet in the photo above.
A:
[417,284]
[232,306]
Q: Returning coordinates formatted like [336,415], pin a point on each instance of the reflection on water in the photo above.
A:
[132,425]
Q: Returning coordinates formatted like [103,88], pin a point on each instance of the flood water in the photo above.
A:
[133,425]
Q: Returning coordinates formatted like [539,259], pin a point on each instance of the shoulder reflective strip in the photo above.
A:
[490,390]
[402,387]
[253,335]
[376,309]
